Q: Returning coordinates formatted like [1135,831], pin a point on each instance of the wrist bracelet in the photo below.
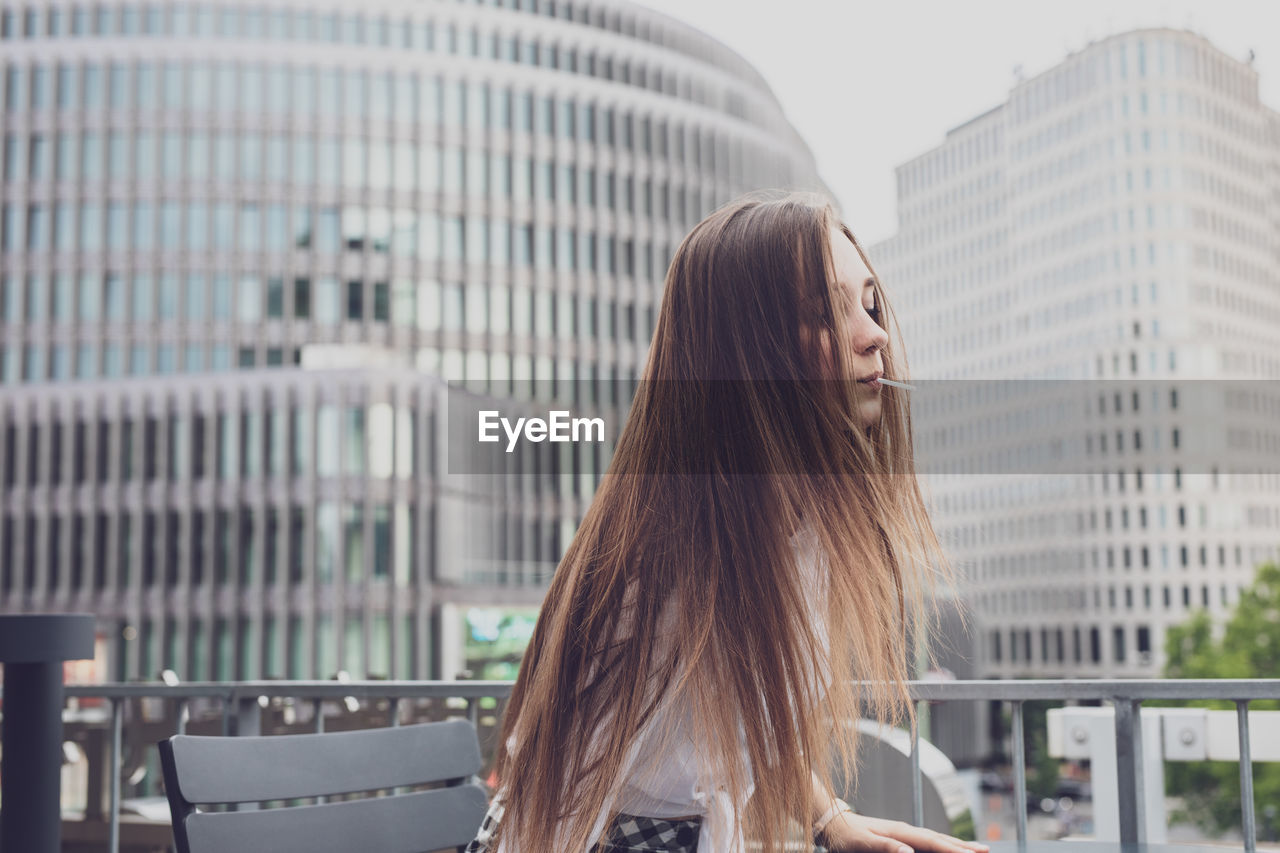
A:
[838,808]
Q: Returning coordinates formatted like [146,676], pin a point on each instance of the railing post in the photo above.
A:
[1019,771]
[318,705]
[242,717]
[1133,823]
[248,717]
[113,769]
[917,787]
[1246,778]
[95,751]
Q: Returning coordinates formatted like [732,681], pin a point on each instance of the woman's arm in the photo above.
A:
[823,804]
[848,832]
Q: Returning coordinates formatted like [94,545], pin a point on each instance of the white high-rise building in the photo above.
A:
[1116,221]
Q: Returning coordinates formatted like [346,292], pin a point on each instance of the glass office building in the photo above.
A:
[243,247]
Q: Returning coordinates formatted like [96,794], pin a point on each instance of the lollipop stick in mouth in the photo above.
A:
[902,385]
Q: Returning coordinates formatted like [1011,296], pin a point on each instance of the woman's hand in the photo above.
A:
[854,833]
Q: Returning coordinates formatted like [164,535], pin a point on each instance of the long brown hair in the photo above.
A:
[728,449]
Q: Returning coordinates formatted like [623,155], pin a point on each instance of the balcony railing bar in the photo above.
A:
[1126,694]
[117,747]
[1128,722]
[1246,778]
[917,784]
[1229,689]
[1019,771]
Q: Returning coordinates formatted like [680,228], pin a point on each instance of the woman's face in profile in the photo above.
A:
[853,293]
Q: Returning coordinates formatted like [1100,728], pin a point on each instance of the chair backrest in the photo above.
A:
[209,770]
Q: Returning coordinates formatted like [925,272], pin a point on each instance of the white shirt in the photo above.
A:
[681,779]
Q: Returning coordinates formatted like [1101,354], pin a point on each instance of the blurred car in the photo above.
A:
[990,780]
[1076,789]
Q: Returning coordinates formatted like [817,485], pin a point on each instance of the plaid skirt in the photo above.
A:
[627,834]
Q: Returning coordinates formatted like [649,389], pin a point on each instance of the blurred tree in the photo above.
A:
[1043,770]
[1249,648]
[1042,781]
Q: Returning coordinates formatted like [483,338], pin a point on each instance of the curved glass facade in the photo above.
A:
[488,193]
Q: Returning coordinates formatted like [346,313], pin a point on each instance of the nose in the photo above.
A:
[869,337]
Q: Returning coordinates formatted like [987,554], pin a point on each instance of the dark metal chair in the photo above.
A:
[209,770]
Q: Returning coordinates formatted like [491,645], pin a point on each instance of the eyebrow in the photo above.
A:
[870,282]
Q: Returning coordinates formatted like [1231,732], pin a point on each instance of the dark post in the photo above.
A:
[32,649]
[1133,819]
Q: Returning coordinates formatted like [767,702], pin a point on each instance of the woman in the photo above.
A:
[750,555]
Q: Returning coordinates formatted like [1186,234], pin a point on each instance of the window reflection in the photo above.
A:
[251,89]
[429,296]
[171,155]
[379,229]
[354,457]
[195,298]
[145,82]
[222,301]
[326,300]
[250,228]
[328,229]
[226,86]
[250,156]
[275,227]
[404,232]
[168,293]
[326,540]
[303,161]
[353,163]
[380,165]
[302,235]
[224,157]
[91,157]
[118,156]
[327,161]
[303,97]
[250,299]
[353,227]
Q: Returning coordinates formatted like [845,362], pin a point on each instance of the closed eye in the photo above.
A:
[874,312]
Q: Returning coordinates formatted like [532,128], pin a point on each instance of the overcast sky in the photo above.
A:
[872,84]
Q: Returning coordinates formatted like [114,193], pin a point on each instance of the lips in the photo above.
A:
[871,380]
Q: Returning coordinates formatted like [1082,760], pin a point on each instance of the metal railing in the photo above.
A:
[1127,697]
[241,704]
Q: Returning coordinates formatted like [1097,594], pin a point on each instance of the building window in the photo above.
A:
[250,300]
[327,300]
[355,300]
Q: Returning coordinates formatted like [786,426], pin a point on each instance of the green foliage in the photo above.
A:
[1043,769]
[1042,781]
[962,827]
[1249,648]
